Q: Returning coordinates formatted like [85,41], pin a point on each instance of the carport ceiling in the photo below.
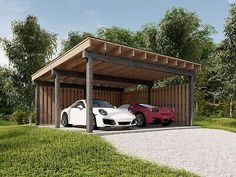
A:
[114,65]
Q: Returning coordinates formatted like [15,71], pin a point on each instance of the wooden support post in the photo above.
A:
[149,94]
[36,103]
[84,89]
[57,101]
[89,95]
[191,89]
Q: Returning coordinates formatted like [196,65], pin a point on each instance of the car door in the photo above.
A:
[78,114]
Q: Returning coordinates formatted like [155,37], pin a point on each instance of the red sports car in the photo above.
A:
[148,114]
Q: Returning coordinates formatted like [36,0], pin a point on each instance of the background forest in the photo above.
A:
[180,34]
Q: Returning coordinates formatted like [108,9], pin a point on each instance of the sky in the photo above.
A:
[63,16]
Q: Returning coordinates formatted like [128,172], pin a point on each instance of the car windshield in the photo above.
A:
[124,106]
[147,106]
[101,104]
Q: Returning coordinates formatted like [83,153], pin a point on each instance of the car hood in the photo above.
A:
[113,110]
[115,113]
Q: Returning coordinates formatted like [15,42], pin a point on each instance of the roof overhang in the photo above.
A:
[114,65]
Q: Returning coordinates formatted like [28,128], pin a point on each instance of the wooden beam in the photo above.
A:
[136,63]
[162,60]
[66,85]
[36,103]
[191,90]
[89,95]
[172,62]
[116,51]
[57,99]
[103,77]
[63,58]
[190,66]
[181,64]
[149,94]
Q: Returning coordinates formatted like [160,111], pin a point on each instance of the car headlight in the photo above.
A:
[102,111]
[155,110]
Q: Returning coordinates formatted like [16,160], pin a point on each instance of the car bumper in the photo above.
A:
[118,123]
[156,120]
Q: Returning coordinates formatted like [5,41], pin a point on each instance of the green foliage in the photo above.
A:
[210,109]
[228,58]
[30,151]
[182,35]
[74,38]
[146,37]
[216,123]
[5,117]
[7,92]
[29,50]
[20,117]
[116,34]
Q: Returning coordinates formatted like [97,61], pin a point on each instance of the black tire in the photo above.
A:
[166,123]
[94,123]
[140,120]
[64,120]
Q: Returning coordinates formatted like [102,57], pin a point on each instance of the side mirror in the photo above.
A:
[80,107]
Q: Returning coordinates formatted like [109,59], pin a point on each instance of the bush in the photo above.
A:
[210,110]
[20,117]
[33,114]
[5,117]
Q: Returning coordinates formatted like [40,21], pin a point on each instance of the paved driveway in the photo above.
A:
[207,152]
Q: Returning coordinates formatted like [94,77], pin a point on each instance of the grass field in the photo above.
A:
[216,123]
[31,151]
[5,123]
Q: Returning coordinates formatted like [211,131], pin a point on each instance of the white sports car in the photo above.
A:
[105,115]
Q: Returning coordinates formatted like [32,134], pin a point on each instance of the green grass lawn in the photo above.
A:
[216,123]
[5,123]
[31,151]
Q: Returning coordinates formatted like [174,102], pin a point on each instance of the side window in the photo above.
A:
[77,104]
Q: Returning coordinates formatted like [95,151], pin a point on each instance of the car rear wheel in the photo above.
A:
[64,120]
[140,120]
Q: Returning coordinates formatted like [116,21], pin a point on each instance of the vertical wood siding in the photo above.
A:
[174,97]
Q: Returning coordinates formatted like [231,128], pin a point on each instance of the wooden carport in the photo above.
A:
[99,64]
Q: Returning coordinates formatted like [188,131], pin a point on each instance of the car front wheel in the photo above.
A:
[94,123]
[166,123]
[64,120]
[140,120]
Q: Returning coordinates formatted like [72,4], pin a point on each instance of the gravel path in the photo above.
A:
[206,152]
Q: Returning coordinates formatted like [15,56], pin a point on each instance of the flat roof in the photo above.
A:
[73,61]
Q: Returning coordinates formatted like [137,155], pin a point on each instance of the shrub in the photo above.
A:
[210,110]
[20,117]
[5,117]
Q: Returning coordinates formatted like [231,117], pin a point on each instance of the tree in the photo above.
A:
[7,92]
[228,58]
[182,35]
[146,37]
[28,51]
[74,38]
[116,34]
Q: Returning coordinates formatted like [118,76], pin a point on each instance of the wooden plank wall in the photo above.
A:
[174,97]
[68,96]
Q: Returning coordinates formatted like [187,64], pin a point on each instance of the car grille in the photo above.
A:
[109,122]
[123,123]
